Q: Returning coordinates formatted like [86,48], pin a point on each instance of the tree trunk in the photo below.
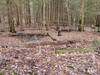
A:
[68,12]
[58,25]
[27,13]
[81,26]
[10,17]
[98,22]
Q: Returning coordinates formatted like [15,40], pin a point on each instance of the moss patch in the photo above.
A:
[73,50]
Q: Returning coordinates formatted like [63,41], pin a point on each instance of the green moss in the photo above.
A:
[13,73]
[1,73]
[72,50]
[96,43]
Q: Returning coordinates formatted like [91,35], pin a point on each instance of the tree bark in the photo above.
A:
[27,13]
[81,26]
[10,16]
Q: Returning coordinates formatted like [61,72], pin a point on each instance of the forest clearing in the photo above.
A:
[49,37]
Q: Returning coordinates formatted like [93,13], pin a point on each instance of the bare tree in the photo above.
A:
[10,16]
[81,26]
[27,13]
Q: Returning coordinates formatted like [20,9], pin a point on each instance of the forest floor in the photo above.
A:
[73,53]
